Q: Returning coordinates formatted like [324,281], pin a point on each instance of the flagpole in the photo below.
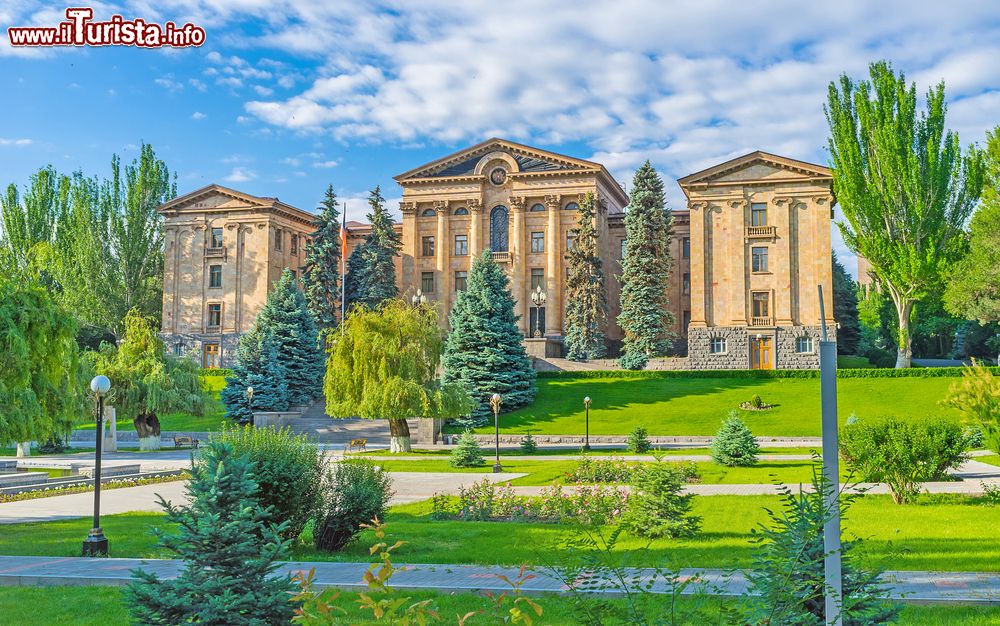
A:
[343,266]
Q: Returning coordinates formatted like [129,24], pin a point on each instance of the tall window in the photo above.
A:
[461,281]
[211,356]
[216,238]
[804,344]
[295,244]
[570,240]
[621,253]
[758,259]
[686,248]
[428,246]
[758,214]
[685,321]
[686,283]
[461,245]
[717,345]
[279,239]
[537,278]
[427,282]
[761,304]
[215,276]
[214,315]
[538,242]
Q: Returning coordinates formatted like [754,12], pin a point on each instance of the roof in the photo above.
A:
[810,170]
[255,202]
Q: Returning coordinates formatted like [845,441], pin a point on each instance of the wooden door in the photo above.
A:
[760,354]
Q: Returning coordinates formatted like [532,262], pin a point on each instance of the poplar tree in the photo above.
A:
[256,367]
[485,350]
[903,183]
[373,277]
[321,272]
[644,315]
[586,296]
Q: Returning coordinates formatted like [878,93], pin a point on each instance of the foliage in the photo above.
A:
[215,372]
[734,445]
[357,491]
[467,453]
[903,453]
[865,372]
[485,501]
[372,279]
[787,575]
[845,309]
[528,445]
[903,184]
[230,549]
[485,351]
[385,366]
[638,441]
[586,295]
[287,469]
[42,380]
[645,315]
[320,274]
[756,402]
[657,506]
[256,368]
[977,396]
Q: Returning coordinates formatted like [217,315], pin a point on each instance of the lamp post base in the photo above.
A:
[497,469]
[586,447]
[96,544]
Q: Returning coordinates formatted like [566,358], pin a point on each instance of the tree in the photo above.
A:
[34,218]
[230,548]
[256,367]
[320,273]
[977,397]
[644,315]
[373,277]
[587,298]
[973,290]
[845,309]
[42,381]
[903,183]
[485,350]
[385,366]
[356,277]
[285,315]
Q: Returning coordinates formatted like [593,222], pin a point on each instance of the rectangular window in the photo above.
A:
[461,245]
[804,345]
[427,246]
[279,239]
[295,244]
[761,303]
[215,276]
[216,238]
[211,358]
[178,349]
[537,278]
[214,315]
[621,252]
[686,248]
[758,256]
[686,283]
[570,240]
[717,345]
[685,321]
[427,282]
[537,242]
[461,281]
[758,214]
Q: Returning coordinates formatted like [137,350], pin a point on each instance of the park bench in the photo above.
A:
[184,440]
[356,444]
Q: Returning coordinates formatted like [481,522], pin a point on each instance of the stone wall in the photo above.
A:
[191,345]
[786,358]
[736,356]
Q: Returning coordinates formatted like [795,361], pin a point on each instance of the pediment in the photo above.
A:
[214,197]
[756,167]
[466,162]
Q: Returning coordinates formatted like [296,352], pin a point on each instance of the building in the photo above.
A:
[749,251]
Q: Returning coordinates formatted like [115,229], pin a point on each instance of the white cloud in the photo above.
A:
[198,115]
[168,83]
[14,142]
[240,175]
[325,164]
[197,84]
[262,90]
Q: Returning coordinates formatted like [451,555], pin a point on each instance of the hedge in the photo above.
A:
[215,371]
[868,372]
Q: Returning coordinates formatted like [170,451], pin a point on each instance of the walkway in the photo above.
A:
[946,587]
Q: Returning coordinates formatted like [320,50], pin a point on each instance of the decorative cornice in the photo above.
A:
[697,206]
[553,202]
[516,203]
[822,199]
[475,205]
[738,204]
[440,205]
[408,207]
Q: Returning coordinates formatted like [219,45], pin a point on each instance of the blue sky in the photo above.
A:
[287,96]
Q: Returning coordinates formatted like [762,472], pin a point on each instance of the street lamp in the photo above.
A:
[96,544]
[418,298]
[586,437]
[495,405]
[250,402]
[538,297]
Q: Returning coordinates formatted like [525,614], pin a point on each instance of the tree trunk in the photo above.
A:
[23,449]
[904,354]
[399,436]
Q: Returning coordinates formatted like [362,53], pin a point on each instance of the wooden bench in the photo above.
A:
[184,440]
[356,444]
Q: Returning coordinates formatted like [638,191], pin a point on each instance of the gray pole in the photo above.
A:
[831,472]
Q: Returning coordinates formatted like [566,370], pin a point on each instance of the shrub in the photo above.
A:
[528,445]
[357,492]
[53,445]
[903,453]
[486,501]
[991,494]
[602,471]
[756,402]
[638,441]
[288,469]
[880,358]
[467,453]
[977,396]
[633,361]
[734,444]
[657,507]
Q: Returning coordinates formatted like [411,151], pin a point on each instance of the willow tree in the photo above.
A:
[903,183]
[385,366]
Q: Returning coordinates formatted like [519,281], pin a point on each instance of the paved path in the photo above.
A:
[951,587]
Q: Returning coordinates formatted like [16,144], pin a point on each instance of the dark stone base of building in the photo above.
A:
[787,352]
[199,346]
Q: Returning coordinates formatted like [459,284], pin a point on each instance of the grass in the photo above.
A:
[853,362]
[939,533]
[211,421]
[35,452]
[97,606]
[578,452]
[696,406]
[993,459]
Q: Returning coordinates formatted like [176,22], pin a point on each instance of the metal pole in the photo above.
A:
[586,436]
[831,473]
[496,424]
[343,271]
[97,462]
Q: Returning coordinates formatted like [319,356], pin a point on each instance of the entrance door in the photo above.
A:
[760,354]
[211,358]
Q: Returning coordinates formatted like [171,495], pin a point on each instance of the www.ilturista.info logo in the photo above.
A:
[79,29]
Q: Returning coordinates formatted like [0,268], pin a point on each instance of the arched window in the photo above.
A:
[537,207]
[499,222]
[428,213]
[461,211]
[572,206]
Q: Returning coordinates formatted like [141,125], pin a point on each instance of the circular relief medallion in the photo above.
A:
[498,176]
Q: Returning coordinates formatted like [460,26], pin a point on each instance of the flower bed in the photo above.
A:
[48,492]
[591,471]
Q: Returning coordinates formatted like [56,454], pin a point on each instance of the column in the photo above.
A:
[738,269]
[784,251]
[475,231]
[700,262]
[822,252]
[444,275]
[410,244]
[553,280]
[517,265]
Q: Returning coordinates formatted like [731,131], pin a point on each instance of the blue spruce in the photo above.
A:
[371,277]
[257,367]
[320,274]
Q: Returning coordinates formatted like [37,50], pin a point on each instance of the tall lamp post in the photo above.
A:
[495,405]
[538,297]
[250,403]
[96,544]
[586,436]
[418,298]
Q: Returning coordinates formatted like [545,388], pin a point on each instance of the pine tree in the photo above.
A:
[467,453]
[257,367]
[484,350]
[320,273]
[372,277]
[286,316]
[587,298]
[356,277]
[230,549]
[845,309]
[645,272]
[734,444]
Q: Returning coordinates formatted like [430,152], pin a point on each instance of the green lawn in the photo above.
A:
[993,459]
[35,452]
[853,362]
[99,606]
[543,451]
[211,421]
[696,406]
